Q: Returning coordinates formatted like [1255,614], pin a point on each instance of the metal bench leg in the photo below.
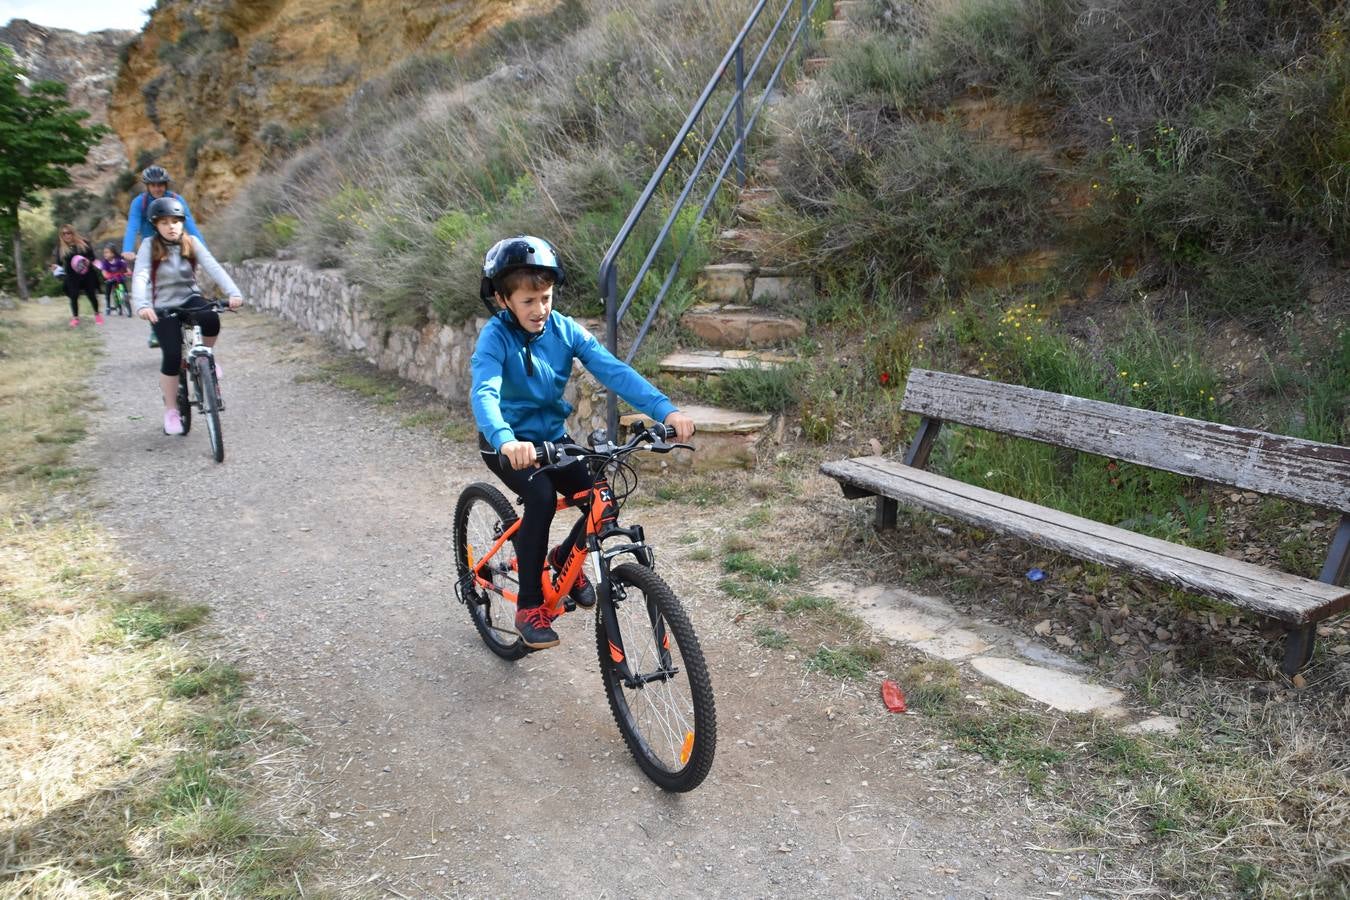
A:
[1298,648]
[886,513]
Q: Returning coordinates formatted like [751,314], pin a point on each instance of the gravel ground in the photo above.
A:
[431,767]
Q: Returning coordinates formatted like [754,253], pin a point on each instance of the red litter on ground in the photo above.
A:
[893,697]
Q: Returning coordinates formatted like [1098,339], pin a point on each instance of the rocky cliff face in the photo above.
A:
[87,65]
[213,88]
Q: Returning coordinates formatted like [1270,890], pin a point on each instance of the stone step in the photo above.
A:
[754,246]
[766,171]
[722,438]
[698,363]
[775,286]
[851,10]
[838,30]
[727,282]
[730,326]
[815,64]
[836,35]
[753,201]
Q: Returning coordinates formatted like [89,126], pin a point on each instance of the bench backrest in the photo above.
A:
[1305,471]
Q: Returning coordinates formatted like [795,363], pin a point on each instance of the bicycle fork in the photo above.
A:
[607,597]
[198,351]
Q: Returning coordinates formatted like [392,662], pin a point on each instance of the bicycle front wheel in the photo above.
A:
[657,681]
[208,401]
[482,516]
[184,401]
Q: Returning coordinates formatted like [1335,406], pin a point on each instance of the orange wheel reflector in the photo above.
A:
[665,640]
[615,653]
[688,747]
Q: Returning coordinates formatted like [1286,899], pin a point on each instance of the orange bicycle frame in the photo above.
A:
[600,510]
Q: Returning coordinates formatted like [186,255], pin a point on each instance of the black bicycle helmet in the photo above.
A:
[155,175]
[166,207]
[519,252]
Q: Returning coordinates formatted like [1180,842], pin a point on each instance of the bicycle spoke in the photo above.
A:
[481,517]
[665,710]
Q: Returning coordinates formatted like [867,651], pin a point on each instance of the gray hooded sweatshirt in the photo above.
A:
[176,279]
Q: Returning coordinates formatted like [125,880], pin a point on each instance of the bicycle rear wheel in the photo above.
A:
[184,401]
[481,517]
[204,372]
[664,704]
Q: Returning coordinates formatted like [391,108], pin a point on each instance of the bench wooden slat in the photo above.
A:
[1305,471]
[1279,595]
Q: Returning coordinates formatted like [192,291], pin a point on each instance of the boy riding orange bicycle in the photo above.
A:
[520,366]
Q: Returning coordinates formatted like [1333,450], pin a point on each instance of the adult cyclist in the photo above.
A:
[139,226]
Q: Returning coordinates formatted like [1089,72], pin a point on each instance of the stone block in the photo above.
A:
[782,288]
[729,327]
[725,282]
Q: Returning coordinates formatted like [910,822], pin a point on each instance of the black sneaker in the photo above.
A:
[582,593]
[535,628]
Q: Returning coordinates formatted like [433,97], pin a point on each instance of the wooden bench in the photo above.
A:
[1304,471]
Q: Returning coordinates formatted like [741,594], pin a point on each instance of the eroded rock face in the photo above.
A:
[87,65]
[212,87]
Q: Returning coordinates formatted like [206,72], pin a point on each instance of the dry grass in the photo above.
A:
[114,786]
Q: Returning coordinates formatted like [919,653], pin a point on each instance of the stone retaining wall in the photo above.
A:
[323,302]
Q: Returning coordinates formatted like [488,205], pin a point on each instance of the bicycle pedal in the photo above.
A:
[569,605]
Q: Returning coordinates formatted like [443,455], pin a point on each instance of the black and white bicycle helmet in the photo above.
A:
[523,251]
[155,175]
[166,207]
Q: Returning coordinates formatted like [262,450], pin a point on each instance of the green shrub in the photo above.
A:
[1164,370]
[281,229]
[1319,391]
[922,201]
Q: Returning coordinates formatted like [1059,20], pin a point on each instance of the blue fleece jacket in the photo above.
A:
[518,379]
[139,226]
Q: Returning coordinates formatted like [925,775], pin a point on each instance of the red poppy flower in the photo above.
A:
[885,378]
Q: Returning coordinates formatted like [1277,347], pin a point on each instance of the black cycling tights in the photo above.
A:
[169,331]
[541,501]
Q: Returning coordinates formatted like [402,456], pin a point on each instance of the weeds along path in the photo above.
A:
[322,546]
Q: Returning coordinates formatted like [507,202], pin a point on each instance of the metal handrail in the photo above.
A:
[735,60]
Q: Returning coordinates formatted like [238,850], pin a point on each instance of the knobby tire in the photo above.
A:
[184,402]
[669,726]
[481,516]
[207,397]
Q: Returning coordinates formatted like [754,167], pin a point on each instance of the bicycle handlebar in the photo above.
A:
[177,312]
[548,453]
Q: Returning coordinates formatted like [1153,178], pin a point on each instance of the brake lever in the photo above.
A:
[666,448]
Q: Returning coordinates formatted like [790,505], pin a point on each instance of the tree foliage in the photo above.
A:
[41,137]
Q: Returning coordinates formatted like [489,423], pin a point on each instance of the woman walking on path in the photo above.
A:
[166,278]
[75,257]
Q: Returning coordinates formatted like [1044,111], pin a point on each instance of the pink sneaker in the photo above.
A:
[173,422]
[98,318]
[219,374]
[75,321]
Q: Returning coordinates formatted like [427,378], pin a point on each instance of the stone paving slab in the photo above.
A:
[1058,690]
[935,627]
[954,643]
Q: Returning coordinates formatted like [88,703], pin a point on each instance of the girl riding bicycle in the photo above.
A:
[520,367]
[115,271]
[166,277]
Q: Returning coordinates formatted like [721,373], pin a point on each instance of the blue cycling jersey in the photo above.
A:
[518,379]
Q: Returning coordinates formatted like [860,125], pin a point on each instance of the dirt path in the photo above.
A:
[437,769]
